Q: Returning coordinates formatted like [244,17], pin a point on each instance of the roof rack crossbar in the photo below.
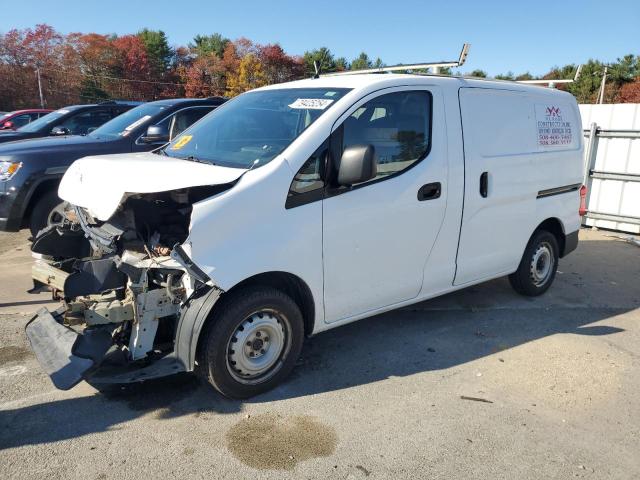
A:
[415,66]
[552,83]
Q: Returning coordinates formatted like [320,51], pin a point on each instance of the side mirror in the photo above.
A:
[357,164]
[156,134]
[60,131]
[6,126]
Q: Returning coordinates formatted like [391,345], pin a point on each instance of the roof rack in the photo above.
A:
[434,66]
[553,83]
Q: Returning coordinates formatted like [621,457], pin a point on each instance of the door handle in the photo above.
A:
[484,184]
[430,191]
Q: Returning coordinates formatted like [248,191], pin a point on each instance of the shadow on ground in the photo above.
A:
[431,336]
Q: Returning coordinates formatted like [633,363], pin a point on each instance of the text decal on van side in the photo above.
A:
[311,103]
[554,128]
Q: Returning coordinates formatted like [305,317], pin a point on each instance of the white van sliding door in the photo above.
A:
[500,184]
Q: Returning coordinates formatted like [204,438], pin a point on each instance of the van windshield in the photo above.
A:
[255,127]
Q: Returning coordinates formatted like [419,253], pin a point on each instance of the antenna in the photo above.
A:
[553,83]
[315,67]
[415,66]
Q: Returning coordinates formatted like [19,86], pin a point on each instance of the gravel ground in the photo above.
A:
[9,241]
[478,384]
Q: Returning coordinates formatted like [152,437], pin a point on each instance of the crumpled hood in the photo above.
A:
[100,183]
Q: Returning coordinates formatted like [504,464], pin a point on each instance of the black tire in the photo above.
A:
[241,309]
[42,211]
[532,278]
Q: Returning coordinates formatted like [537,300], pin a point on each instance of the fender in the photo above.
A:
[34,181]
[193,315]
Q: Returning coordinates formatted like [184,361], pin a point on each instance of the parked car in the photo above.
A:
[20,118]
[30,171]
[72,120]
[300,207]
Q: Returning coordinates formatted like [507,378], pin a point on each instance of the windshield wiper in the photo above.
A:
[193,158]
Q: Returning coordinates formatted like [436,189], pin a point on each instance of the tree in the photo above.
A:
[586,87]
[324,59]
[158,50]
[250,75]
[560,73]
[132,63]
[209,44]
[277,65]
[630,92]
[507,76]
[341,64]
[362,62]
[477,73]
[524,76]
[24,51]
[97,61]
[205,77]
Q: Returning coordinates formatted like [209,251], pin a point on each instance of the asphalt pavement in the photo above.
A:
[480,384]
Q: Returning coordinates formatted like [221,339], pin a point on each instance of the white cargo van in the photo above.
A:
[297,208]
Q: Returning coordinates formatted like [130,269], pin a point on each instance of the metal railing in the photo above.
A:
[594,134]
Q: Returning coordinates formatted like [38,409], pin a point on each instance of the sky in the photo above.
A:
[517,36]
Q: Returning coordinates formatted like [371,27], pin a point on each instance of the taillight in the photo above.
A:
[582,211]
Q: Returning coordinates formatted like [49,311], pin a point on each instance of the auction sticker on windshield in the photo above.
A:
[311,103]
[182,141]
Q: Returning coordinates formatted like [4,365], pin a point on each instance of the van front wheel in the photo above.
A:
[538,266]
[253,342]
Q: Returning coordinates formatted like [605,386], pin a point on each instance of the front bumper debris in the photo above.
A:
[66,356]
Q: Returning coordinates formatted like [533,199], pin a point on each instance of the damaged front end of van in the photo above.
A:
[133,301]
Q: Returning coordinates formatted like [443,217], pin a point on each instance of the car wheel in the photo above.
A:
[538,266]
[252,343]
[49,210]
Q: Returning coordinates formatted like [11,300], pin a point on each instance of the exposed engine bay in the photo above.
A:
[123,282]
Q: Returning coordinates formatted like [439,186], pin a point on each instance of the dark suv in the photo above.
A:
[73,120]
[31,171]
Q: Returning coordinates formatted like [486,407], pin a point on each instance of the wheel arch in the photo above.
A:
[194,321]
[289,284]
[36,193]
[554,226]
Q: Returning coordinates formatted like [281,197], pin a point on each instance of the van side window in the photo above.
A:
[185,118]
[398,125]
[308,183]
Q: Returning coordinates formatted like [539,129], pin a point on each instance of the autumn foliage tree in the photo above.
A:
[250,74]
[89,67]
[630,92]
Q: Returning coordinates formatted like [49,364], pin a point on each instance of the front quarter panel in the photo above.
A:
[246,231]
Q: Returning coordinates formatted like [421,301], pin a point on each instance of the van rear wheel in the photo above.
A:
[253,342]
[538,266]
